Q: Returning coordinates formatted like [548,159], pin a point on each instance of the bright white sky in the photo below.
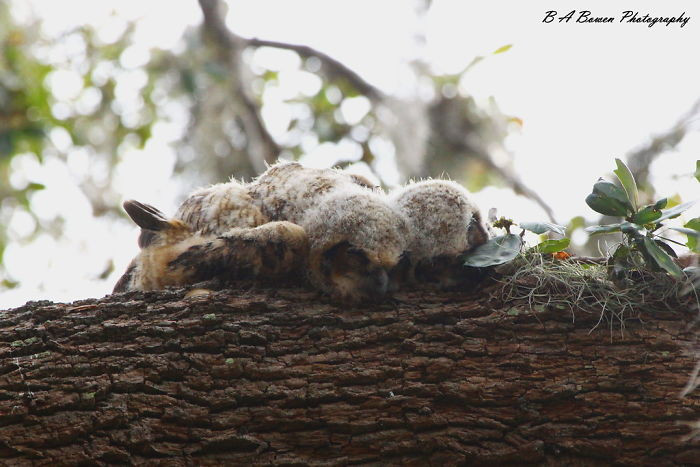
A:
[586,93]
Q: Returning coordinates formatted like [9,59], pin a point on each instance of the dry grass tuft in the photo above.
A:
[544,282]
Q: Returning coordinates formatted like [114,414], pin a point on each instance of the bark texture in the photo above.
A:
[261,376]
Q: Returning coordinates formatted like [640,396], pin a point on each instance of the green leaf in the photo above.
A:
[33,186]
[693,224]
[666,247]
[673,201]
[552,246]
[606,205]
[660,258]
[693,243]
[646,215]
[8,284]
[496,251]
[543,227]
[610,190]
[675,211]
[697,170]
[502,49]
[622,252]
[619,263]
[660,204]
[577,222]
[627,179]
[598,229]
[693,235]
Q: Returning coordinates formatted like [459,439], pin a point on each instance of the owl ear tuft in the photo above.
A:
[146,216]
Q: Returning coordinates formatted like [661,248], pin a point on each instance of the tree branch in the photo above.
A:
[254,375]
[641,158]
[333,68]
[517,185]
[230,47]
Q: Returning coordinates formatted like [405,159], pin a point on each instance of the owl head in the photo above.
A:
[444,224]
[161,240]
[355,241]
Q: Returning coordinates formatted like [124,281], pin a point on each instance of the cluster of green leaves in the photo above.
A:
[504,248]
[642,244]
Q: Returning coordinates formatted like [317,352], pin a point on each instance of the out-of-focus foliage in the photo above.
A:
[23,113]
[64,98]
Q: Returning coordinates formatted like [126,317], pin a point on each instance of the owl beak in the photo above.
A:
[399,274]
[376,284]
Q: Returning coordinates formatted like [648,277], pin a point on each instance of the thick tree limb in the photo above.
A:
[279,376]
[262,147]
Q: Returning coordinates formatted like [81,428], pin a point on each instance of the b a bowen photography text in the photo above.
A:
[627,16]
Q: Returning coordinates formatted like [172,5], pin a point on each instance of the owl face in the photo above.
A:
[356,240]
[349,275]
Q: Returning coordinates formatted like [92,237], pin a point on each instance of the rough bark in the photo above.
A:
[262,376]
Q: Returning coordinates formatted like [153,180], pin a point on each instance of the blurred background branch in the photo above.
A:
[261,148]
[639,160]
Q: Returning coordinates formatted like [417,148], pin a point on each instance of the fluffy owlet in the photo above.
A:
[287,190]
[172,254]
[355,238]
[220,207]
[444,224]
[355,242]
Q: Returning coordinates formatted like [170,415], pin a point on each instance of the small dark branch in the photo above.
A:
[272,149]
[333,67]
[672,241]
[230,47]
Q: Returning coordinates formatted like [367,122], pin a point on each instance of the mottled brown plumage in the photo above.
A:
[218,208]
[351,241]
[175,255]
[355,241]
[355,238]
